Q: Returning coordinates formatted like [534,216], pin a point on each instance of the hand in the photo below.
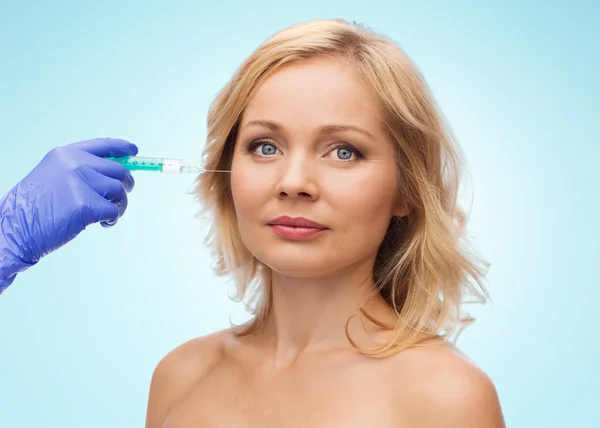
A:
[71,188]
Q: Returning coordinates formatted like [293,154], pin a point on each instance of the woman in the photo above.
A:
[340,220]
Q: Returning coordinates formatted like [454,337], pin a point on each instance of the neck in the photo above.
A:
[310,314]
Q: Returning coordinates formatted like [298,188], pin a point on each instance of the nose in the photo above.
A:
[298,181]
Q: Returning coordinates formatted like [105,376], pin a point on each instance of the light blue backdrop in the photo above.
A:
[81,332]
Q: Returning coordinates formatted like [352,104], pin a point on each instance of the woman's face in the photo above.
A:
[311,145]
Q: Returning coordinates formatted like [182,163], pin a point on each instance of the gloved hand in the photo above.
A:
[71,188]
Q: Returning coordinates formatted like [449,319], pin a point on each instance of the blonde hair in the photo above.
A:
[423,268]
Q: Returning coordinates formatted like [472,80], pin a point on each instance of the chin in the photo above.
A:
[298,266]
[299,272]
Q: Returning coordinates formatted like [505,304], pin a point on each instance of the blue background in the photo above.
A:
[81,333]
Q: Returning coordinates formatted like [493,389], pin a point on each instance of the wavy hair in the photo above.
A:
[425,267]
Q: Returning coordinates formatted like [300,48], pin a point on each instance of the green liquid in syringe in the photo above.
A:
[141,164]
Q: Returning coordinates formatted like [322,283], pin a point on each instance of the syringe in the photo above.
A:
[168,165]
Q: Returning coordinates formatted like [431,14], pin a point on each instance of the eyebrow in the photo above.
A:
[325,129]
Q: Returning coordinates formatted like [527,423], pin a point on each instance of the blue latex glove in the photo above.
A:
[71,188]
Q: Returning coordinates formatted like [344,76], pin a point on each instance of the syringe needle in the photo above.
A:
[189,169]
[214,170]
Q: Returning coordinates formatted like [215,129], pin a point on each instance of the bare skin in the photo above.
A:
[223,381]
[300,370]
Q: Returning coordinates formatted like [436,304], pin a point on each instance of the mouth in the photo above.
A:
[296,228]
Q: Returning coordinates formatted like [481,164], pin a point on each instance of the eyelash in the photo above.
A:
[357,154]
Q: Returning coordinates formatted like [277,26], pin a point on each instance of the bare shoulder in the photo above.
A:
[179,371]
[440,387]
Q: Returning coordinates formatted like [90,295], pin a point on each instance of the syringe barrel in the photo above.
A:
[139,163]
[173,166]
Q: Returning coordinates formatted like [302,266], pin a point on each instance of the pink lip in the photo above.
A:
[296,227]
[296,222]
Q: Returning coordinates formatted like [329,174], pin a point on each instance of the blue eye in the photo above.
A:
[344,153]
[268,149]
[347,152]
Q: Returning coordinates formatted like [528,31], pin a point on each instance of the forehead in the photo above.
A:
[314,92]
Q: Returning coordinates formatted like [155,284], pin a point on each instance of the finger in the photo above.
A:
[108,188]
[108,223]
[113,191]
[112,169]
[103,211]
[94,208]
[107,147]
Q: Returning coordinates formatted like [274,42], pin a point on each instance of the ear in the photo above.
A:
[401,209]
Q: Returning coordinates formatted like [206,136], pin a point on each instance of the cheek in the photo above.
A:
[249,189]
[367,198]
[240,189]
[365,208]
[250,194]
